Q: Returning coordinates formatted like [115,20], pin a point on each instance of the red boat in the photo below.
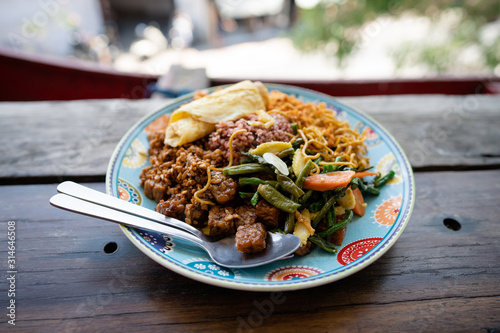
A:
[27,77]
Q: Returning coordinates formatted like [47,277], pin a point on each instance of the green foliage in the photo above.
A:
[335,26]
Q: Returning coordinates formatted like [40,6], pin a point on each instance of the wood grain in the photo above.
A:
[62,140]
[440,132]
[433,280]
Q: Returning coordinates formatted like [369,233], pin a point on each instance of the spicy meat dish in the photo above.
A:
[244,161]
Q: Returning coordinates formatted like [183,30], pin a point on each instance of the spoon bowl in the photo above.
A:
[83,200]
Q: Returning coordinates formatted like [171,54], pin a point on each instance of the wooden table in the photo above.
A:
[434,279]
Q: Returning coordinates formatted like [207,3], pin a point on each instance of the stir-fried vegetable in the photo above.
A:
[303,228]
[383,180]
[323,243]
[289,223]
[280,174]
[285,153]
[322,213]
[256,181]
[328,181]
[278,200]
[255,199]
[332,167]
[304,173]
[245,195]
[289,186]
[348,218]
[298,162]
[276,162]
[246,169]
[362,174]
[359,208]
[270,147]
[250,158]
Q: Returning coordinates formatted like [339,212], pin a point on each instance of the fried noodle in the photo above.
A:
[323,134]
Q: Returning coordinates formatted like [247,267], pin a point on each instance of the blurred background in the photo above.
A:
[210,41]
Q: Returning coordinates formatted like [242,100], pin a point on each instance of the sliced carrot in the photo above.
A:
[359,208]
[365,174]
[328,181]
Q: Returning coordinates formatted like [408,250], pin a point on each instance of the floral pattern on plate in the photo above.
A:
[128,192]
[388,163]
[168,245]
[291,273]
[136,155]
[158,124]
[388,211]
[356,250]
[372,138]
[209,267]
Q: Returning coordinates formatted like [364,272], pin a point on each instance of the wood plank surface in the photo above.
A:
[62,140]
[433,279]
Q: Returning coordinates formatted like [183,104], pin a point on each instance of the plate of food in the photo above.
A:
[252,158]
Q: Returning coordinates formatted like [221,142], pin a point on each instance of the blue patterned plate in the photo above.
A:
[366,240]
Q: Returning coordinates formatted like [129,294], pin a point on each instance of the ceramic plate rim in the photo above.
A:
[400,223]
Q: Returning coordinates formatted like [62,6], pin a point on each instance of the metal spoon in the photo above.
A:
[83,200]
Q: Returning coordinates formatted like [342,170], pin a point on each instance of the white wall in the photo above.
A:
[47,26]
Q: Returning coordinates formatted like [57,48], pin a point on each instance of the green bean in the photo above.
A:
[304,173]
[329,218]
[365,169]
[289,186]
[383,180]
[276,231]
[328,168]
[324,210]
[337,167]
[275,198]
[289,223]
[355,183]
[246,168]
[319,159]
[316,206]
[255,199]
[246,195]
[331,167]
[295,128]
[252,157]
[296,144]
[322,243]
[287,152]
[362,185]
[371,190]
[306,196]
[255,181]
[334,214]
[348,217]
